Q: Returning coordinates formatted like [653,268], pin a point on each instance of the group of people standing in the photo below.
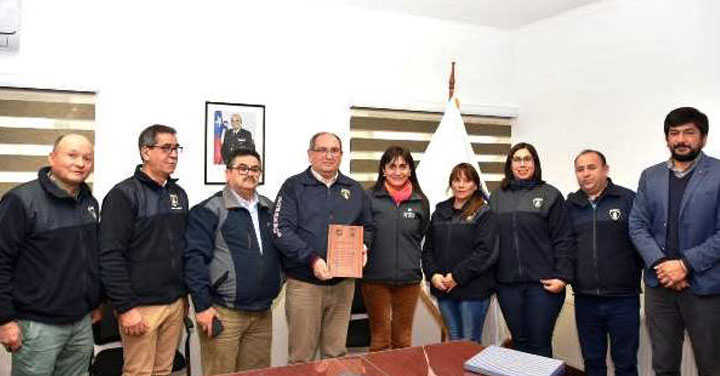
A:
[234,251]
[517,243]
[526,243]
[59,260]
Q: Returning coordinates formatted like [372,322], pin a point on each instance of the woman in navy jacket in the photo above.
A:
[459,255]
[391,278]
[536,251]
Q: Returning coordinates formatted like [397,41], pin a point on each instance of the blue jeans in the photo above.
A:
[596,318]
[54,350]
[530,313]
[464,318]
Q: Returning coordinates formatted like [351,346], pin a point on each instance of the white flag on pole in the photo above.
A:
[449,146]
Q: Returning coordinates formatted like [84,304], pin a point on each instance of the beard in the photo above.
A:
[691,155]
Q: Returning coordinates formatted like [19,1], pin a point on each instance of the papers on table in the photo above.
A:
[499,361]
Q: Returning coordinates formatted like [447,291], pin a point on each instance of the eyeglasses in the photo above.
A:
[244,169]
[520,160]
[332,152]
[167,149]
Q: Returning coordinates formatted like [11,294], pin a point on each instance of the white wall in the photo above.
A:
[308,62]
[604,76]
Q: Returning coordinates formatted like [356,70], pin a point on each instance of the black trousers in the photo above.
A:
[669,314]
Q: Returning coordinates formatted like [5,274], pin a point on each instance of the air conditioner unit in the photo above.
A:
[9,25]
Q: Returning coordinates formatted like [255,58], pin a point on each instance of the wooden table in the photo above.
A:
[442,359]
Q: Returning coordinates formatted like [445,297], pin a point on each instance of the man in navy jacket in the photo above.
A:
[232,270]
[142,237]
[317,305]
[675,225]
[607,268]
[49,273]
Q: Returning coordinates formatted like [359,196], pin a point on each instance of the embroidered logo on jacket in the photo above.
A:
[538,202]
[615,214]
[91,210]
[345,193]
[175,201]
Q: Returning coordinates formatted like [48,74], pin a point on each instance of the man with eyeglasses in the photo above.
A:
[49,281]
[236,138]
[141,247]
[232,270]
[317,306]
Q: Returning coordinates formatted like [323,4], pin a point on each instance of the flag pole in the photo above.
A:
[425,294]
[452,81]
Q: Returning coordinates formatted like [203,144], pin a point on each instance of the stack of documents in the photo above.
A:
[499,361]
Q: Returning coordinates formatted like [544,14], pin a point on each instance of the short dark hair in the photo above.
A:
[684,115]
[593,151]
[390,154]
[316,135]
[242,152]
[148,135]
[537,175]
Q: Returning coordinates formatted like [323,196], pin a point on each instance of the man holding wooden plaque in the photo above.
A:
[321,220]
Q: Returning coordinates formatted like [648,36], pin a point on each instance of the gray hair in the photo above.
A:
[148,135]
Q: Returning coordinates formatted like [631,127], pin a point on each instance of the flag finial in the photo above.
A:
[452,81]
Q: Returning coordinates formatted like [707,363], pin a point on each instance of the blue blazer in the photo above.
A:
[699,222]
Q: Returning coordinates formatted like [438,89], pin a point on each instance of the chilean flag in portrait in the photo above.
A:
[218,127]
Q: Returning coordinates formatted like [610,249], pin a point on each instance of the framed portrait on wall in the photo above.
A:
[231,126]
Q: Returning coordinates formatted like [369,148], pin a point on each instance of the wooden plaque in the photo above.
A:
[345,249]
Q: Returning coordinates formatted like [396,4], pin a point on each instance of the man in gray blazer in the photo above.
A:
[675,225]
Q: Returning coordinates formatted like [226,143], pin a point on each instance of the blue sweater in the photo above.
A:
[607,263]
[467,247]
[303,210]
[49,268]
[535,235]
[141,242]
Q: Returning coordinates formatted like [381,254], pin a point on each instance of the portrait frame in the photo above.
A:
[222,136]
